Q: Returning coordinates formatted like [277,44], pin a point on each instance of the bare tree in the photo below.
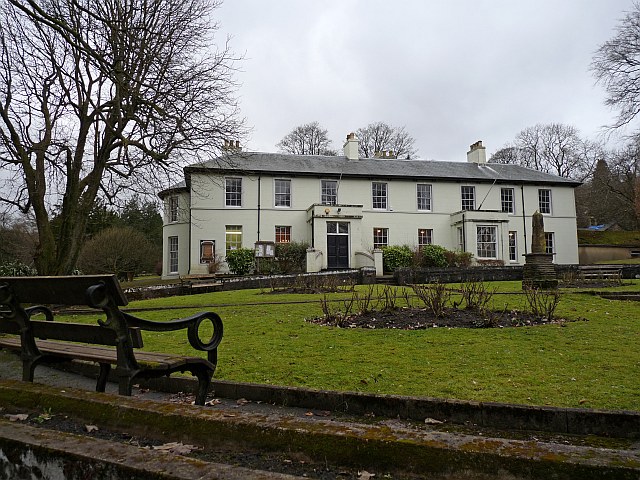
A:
[381,137]
[552,148]
[307,139]
[616,64]
[99,97]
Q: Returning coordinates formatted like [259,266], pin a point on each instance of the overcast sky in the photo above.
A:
[452,72]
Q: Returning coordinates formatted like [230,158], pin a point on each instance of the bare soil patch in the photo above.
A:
[420,319]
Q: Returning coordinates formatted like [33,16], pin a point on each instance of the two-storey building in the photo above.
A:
[344,207]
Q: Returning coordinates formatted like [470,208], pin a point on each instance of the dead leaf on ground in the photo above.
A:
[175,447]
[364,475]
[91,428]
[432,421]
[308,414]
[242,401]
[18,417]
[212,402]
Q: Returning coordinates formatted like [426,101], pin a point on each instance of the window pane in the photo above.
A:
[233,192]
[549,238]
[513,247]
[468,194]
[332,227]
[506,195]
[425,237]
[283,234]
[486,241]
[379,195]
[282,190]
[329,194]
[233,237]
[424,196]
[173,254]
[380,237]
[173,209]
[544,200]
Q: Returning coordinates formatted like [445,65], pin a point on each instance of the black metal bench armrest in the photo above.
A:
[31,311]
[192,324]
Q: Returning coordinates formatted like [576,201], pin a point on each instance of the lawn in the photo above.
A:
[592,361]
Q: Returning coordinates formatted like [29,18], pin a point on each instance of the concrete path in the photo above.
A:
[352,445]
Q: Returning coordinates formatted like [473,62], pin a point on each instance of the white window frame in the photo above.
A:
[282,231]
[550,242]
[234,244]
[338,228]
[425,234]
[513,246]
[173,209]
[486,235]
[174,265]
[379,195]
[233,192]
[380,233]
[545,201]
[467,197]
[327,198]
[282,193]
[425,196]
[508,205]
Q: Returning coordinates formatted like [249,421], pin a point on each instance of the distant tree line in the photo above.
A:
[128,239]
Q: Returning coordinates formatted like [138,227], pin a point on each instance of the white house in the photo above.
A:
[344,207]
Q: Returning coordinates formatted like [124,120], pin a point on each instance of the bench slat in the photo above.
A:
[73,332]
[149,360]
[63,290]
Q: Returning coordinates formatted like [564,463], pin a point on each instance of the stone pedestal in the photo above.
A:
[539,271]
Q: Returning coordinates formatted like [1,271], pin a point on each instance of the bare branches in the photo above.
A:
[552,148]
[97,96]
[381,137]
[616,65]
[307,139]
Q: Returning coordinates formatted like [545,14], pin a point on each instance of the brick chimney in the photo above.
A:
[477,153]
[351,147]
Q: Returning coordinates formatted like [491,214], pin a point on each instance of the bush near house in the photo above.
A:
[396,256]
[121,250]
[431,256]
[436,256]
[241,261]
[292,257]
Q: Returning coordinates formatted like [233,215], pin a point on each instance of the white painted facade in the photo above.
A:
[204,213]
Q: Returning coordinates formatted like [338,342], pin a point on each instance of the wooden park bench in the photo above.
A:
[597,273]
[49,341]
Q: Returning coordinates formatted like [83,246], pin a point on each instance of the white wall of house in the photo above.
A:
[209,216]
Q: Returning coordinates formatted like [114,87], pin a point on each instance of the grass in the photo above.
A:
[592,362]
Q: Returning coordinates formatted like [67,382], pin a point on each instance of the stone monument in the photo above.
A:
[539,271]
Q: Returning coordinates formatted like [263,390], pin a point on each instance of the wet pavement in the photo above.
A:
[317,443]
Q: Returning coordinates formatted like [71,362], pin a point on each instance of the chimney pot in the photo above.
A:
[350,147]
[477,153]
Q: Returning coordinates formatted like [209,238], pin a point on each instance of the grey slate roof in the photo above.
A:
[382,168]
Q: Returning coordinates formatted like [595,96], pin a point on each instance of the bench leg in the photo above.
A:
[204,381]
[105,368]
[124,386]
[28,370]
